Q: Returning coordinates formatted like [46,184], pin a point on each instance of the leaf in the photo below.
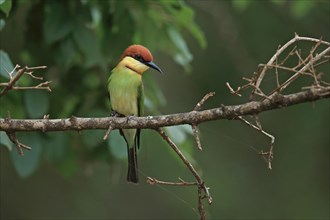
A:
[187,148]
[183,57]
[183,16]
[89,46]
[58,151]
[187,129]
[148,32]
[57,24]
[301,8]
[92,81]
[5,6]
[27,164]
[96,16]
[154,96]
[241,5]
[71,103]
[278,2]
[6,64]
[55,146]
[13,104]
[2,24]
[4,141]
[177,134]
[117,145]
[65,53]
[36,102]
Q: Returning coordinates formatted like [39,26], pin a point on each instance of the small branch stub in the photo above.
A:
[110,128]
[204,99]
[194,125]
[12,137]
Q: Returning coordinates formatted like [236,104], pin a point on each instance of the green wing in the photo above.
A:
[140,102]
[109,79]
[140,98]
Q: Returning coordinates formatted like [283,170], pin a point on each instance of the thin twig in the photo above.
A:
[33,76]
[40,86]
[200,182]
[283,68]
[36,68]
[308,65]
[232,91]
[196,135]
[3,84]
[200,204]
[279,51]
[180,154]
[276,74]
[269,154]
[289,55]
[20,72]
[153,181]
[12,137]
[204,99]
[13,80]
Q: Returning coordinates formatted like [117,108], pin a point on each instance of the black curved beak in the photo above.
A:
[154,66]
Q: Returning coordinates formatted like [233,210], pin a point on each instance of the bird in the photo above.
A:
[126,94]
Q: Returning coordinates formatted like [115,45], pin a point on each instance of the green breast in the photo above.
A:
[124,88]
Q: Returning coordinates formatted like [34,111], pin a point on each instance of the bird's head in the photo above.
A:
[138,58]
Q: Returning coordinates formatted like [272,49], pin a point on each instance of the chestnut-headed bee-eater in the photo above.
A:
[127,97]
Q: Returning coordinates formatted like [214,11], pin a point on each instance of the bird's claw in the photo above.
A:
[129,117]
[116,114]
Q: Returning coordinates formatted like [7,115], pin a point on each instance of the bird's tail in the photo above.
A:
[132,174]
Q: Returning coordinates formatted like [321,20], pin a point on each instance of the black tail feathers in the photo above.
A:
[132,174]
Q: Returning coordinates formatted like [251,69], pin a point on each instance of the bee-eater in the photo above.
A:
[127,96]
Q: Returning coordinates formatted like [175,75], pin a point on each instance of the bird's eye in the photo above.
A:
[139,58]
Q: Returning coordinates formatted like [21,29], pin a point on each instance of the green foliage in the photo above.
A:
[117,145]
[5,6]
[241,4]
[181,135]
[6,65]
[29,162]
[5,142]
[36,102]
[298,8]
[80,41]
[301,8]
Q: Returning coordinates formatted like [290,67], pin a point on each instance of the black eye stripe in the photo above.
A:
[139,58]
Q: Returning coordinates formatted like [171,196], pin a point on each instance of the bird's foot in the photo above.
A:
[116,114]
[129,117]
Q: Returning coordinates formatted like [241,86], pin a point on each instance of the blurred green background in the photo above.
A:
[199,45]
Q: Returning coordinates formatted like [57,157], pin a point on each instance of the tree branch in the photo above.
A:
[275,101]
[20,72]
[281,50]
